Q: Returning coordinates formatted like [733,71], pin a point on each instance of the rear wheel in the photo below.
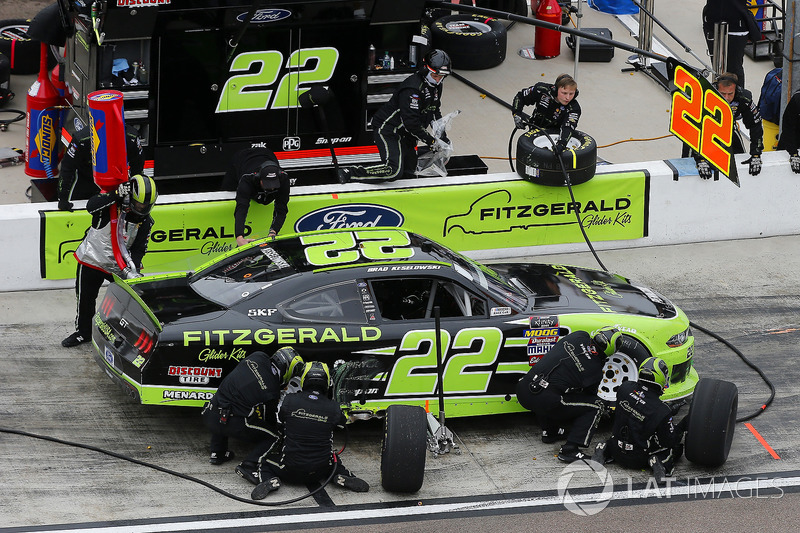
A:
[712,419]
[403,449]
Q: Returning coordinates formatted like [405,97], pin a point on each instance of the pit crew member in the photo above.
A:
[245,407]
[790,132]
[643,435]
[402,121]
[556,106]
[561,389]
[133,201]
[256,175]
[308,417]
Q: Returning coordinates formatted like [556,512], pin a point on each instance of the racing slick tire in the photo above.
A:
[537,163]
[473,42]
[620,367]
[712,419]
[22,51]
[403,449]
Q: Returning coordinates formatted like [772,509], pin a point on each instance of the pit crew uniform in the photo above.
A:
[76,178]
[244,407]
[549,113]
[562,388]
[399,125]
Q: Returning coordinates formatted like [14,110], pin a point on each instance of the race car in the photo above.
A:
[369,302]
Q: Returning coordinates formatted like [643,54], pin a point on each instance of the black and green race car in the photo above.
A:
[364,302]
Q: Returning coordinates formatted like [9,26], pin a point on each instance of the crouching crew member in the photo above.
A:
[555,106]
[562,388]
[643,435]
[308,417]
[245,407]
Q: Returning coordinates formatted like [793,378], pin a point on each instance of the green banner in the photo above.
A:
[477,216]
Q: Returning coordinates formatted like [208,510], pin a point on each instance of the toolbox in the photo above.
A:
[593,51]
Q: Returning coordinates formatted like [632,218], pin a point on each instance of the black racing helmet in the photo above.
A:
[143,194]
[608,340]
[656,371]
[288,363]
[437,61]
[315,376]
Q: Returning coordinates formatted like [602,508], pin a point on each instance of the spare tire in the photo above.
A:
[403,449]
[712,419]
[537,163]
[473,42]
[22,51]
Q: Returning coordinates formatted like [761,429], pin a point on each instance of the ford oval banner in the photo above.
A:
[350,216]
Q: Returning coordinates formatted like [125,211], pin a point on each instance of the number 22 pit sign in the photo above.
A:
[702,119]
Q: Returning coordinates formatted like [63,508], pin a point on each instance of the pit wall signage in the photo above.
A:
[478,216]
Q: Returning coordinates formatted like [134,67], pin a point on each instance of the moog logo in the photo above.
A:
[266,15]
[350,216]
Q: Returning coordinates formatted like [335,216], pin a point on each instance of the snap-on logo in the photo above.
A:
[266,15]
[350,216]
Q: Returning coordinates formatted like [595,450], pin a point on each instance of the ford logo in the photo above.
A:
[266,15]
[350,216]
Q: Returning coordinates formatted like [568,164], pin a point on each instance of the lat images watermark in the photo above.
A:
[586,487]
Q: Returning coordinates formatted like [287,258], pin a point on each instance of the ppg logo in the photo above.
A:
[291,143]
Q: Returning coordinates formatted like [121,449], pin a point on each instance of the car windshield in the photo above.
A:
[483,276]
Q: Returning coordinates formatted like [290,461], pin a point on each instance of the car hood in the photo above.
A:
[565,289]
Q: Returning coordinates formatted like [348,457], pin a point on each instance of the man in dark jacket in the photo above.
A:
[789,139]
[309,418]
[741,27]
[562,388]
[644,435]
[256,175]
[76,177]
[401,123]
[245,406]
[555,107]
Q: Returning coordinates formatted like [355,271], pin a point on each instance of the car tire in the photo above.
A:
[22,51]
[712,420]
[537,163]
[403,448]
[621,367]
[473,42]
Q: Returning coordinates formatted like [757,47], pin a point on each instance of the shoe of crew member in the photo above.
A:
[217,458]
[600,454]
[351,483]
[658,469]
[569,453]
[264,488]
[344,175]
[250,473]
[551,436]
[76,339]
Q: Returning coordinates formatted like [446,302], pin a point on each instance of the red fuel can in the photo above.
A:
[109,155]
[547,43]
[42,129]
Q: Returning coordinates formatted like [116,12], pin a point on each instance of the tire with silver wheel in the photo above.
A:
[537,163]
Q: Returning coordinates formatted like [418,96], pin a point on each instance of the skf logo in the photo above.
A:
[291,143]
[261,312]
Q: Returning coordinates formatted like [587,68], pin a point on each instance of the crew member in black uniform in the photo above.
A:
[789,139]
[256,175]
[562,388]
[401,123]
[245,407]
[556,106]
[309,418]
[76,178]
[644,435]
[744,109]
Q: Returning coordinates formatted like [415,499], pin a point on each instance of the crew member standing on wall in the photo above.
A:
[256,175]
[741,27]
[76,178]
[556,106]
[245,407]
[401,123]
[644,435]
[309,418]
[561,389]
[744,109]
[133,201]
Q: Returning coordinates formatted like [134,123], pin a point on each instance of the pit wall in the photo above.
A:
[485,216]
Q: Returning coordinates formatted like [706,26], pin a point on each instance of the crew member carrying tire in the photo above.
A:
[561,389]
[643,435]
[308,419]
[401,123]
[245,407]
[556,106]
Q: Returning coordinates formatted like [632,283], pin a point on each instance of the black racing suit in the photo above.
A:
[309,419]
[741,27]
[549,112]
[400,124]
[244,407]
[643,428]
[76,178]
[562,388]
[790,126]
[242,177]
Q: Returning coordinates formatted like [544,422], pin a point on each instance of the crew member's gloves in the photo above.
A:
[66,205]
[560,146]
[704,169]
[755,165]
[519,122]
[794,161]
[438,145]
[124,192]
[272,233]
